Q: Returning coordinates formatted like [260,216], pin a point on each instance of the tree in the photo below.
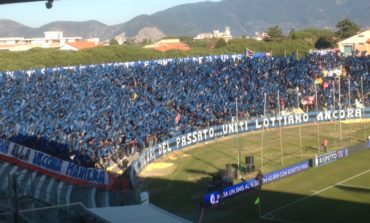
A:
[324,42]
[113,42]
[274,33]
[220,43]
[186,39]
[347,28]
[146,41]
[292,34]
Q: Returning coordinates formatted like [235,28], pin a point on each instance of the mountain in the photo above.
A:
[150,34]
[243,16]
[85,29]
[9,28]
[249,16]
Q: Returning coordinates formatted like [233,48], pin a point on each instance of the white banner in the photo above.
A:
[53,165]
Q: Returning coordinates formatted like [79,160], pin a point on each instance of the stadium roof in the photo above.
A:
[18,1]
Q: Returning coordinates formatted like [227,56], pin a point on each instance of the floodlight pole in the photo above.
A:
[299,125]
[263,131]
[281,136]
[317,121]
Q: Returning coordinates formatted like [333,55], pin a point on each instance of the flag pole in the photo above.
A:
[297,54]
[340,118]
[258,202]
[299,125]
[281,136]
[349,106]
[201,215]
[363,107]
[317,121]
[263,131]
[259,209]
[334,109]
[237,134]
[349,92]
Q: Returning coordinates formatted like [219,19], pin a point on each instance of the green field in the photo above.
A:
[338,192]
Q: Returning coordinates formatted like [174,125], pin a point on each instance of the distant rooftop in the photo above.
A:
[83,45]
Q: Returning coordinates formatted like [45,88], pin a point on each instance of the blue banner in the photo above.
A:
[215,197]
[288,171]
[214,132]
[330,157]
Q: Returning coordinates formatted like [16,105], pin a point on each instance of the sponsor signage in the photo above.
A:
[288,171]
[330,157]
[215,197]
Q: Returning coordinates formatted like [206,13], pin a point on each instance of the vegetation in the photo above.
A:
[113,42]
[296,41]
[220,43]
[324,42]
[347,28]
[284,47]
[40,58]
[274,33]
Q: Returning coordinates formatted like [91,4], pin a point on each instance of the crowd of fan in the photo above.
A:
[106,112]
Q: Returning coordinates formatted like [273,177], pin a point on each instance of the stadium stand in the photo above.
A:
[100,115]
[40,187]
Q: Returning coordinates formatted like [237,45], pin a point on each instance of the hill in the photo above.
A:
[87,29]
[243,16]
[249,16]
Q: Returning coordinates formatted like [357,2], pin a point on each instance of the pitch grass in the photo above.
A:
[181,191]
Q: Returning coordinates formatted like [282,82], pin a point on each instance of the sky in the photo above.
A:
[110,12]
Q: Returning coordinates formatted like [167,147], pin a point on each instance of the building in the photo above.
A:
[260,36]
[168,44]
[51,39]
[79,45]
[226,35]
[121,38]
[359,43]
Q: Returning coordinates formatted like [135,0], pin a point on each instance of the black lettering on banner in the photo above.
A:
[20,152]
[84,173]
[47,162]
